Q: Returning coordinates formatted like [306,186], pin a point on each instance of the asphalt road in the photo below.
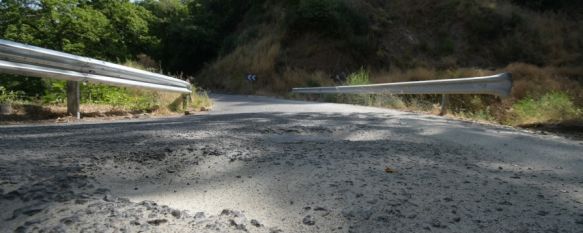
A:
[260,164]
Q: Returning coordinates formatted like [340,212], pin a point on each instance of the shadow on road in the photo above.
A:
[445,176]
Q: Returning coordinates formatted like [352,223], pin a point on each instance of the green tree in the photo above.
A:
[192,32]
[114,30]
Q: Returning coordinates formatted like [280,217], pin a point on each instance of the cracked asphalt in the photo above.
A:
[258,164]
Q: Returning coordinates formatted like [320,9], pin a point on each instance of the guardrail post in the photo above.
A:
[444,100]
[185,102]
[73,98]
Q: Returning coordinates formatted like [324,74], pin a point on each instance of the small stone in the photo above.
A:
[505,203]
[157,222]
[309,220]
[12,195]
[320,209]
[275,230]
[229,212]
[32,210]
[256,223]
[237,224]
[542,213]
[176,213]
[101,191]
[436,223]
[199,215]
[515,176]
[69,220]
[382,218]
[32,222]
[81,201]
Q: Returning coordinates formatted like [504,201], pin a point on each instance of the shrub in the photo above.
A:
[361,77]
[8,97]
[332,17]
[553,107]
[55,92]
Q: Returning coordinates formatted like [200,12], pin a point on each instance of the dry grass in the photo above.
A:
[166,104]
[258,57]
[428,40]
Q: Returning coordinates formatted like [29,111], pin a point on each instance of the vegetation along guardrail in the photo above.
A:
[498,85]
[27,60]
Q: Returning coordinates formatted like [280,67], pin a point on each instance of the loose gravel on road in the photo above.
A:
[258,164]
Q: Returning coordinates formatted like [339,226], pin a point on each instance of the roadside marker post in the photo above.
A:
[251,78]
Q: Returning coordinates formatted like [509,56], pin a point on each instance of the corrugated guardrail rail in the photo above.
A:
[27,60]
[498,85]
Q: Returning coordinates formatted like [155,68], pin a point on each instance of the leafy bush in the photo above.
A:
[200,99]
[29,86]
[553,107]
[55,93]
[8,97]
[361,77]
[486,23]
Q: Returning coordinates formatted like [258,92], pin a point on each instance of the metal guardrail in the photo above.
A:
[46,72]
[499,85]
[27,60]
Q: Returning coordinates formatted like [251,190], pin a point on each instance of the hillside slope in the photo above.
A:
[305,42]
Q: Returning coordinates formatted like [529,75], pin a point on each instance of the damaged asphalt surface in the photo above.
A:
[258,164]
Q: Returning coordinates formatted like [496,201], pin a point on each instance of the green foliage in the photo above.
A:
[485,23]
[119,97]
[200,99]
[553,107]
[55,93]
[361,77]
[192,32]
[31,87]
[112,30]
[116,97]
[330,17]
[8,97]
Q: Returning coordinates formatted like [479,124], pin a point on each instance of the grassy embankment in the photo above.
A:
[305,42]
